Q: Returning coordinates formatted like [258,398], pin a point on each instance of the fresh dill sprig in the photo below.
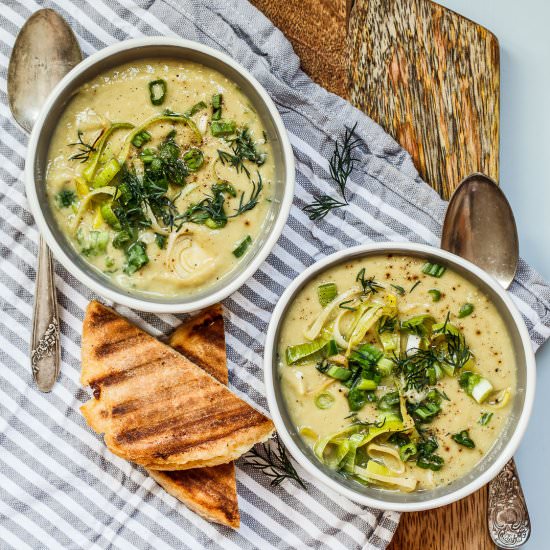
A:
[85,149]
[321,206]
[275,464]
[341,166]
[368,284]
[243,148]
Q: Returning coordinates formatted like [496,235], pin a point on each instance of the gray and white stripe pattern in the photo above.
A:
[59,485]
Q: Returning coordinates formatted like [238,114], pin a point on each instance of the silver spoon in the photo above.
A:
[45,50]
[480,226]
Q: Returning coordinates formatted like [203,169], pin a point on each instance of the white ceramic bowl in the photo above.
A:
[36,162]
[508,440]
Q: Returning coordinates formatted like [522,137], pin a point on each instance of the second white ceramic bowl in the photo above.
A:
[499,454]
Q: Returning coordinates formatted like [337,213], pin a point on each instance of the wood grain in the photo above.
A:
[317,30]
[431,78]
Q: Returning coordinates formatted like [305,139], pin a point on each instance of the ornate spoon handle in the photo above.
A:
[45,348]
[509,523]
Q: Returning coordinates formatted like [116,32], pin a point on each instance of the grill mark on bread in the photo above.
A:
[101,316]
[129,338]
[189,433]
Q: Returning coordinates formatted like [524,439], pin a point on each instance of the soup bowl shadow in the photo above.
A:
[506,443]
[37,163]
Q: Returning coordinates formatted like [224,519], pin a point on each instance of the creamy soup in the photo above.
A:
[396,372]
[160,174]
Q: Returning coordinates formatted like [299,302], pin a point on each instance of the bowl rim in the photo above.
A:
[127,299]
[270,367]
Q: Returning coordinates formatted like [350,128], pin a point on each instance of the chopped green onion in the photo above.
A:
[421,325]
[385,366]
[435,270]
[136,257]
[193,159]
[140,139]
[475,385]
[242,246]
[301,351]
[196,108]
[465,310]
[407,451]
[94,243]
[485,418]
[389,401]
[400,290]
[338,373]
[109,216]
[157,91]
[463,438]
[324,400]
[435,294]
[216,106]
[426,458]
[327,292]
[221,128]
[366,384]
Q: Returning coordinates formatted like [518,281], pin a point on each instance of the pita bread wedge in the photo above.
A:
[209,492]
[159,409]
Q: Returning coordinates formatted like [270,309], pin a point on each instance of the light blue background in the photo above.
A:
[521,27]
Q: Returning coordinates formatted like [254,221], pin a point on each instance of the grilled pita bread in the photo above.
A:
[157,408]
[209,492]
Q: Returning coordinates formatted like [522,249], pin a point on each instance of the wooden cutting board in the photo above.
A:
[430,78]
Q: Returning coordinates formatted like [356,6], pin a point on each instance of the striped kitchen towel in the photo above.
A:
[59,485]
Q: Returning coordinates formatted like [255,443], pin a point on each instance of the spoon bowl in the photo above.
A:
[45,50]
[479,226]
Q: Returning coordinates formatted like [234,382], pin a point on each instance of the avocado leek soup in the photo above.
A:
[398,373]
[160,175]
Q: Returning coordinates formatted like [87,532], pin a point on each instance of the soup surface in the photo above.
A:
[160,175]
[396,372]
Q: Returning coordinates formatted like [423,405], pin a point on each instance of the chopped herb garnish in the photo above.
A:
[65,198]
[485,418]
[465,310]
[463,438]
[160,240]
[344,305]
[435,294]
[196,108]
[341,166]
[243,149]
[414,286]
[368,284]
[274,464]
[399,289]
[242,247]
[85,149]
[157,91]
